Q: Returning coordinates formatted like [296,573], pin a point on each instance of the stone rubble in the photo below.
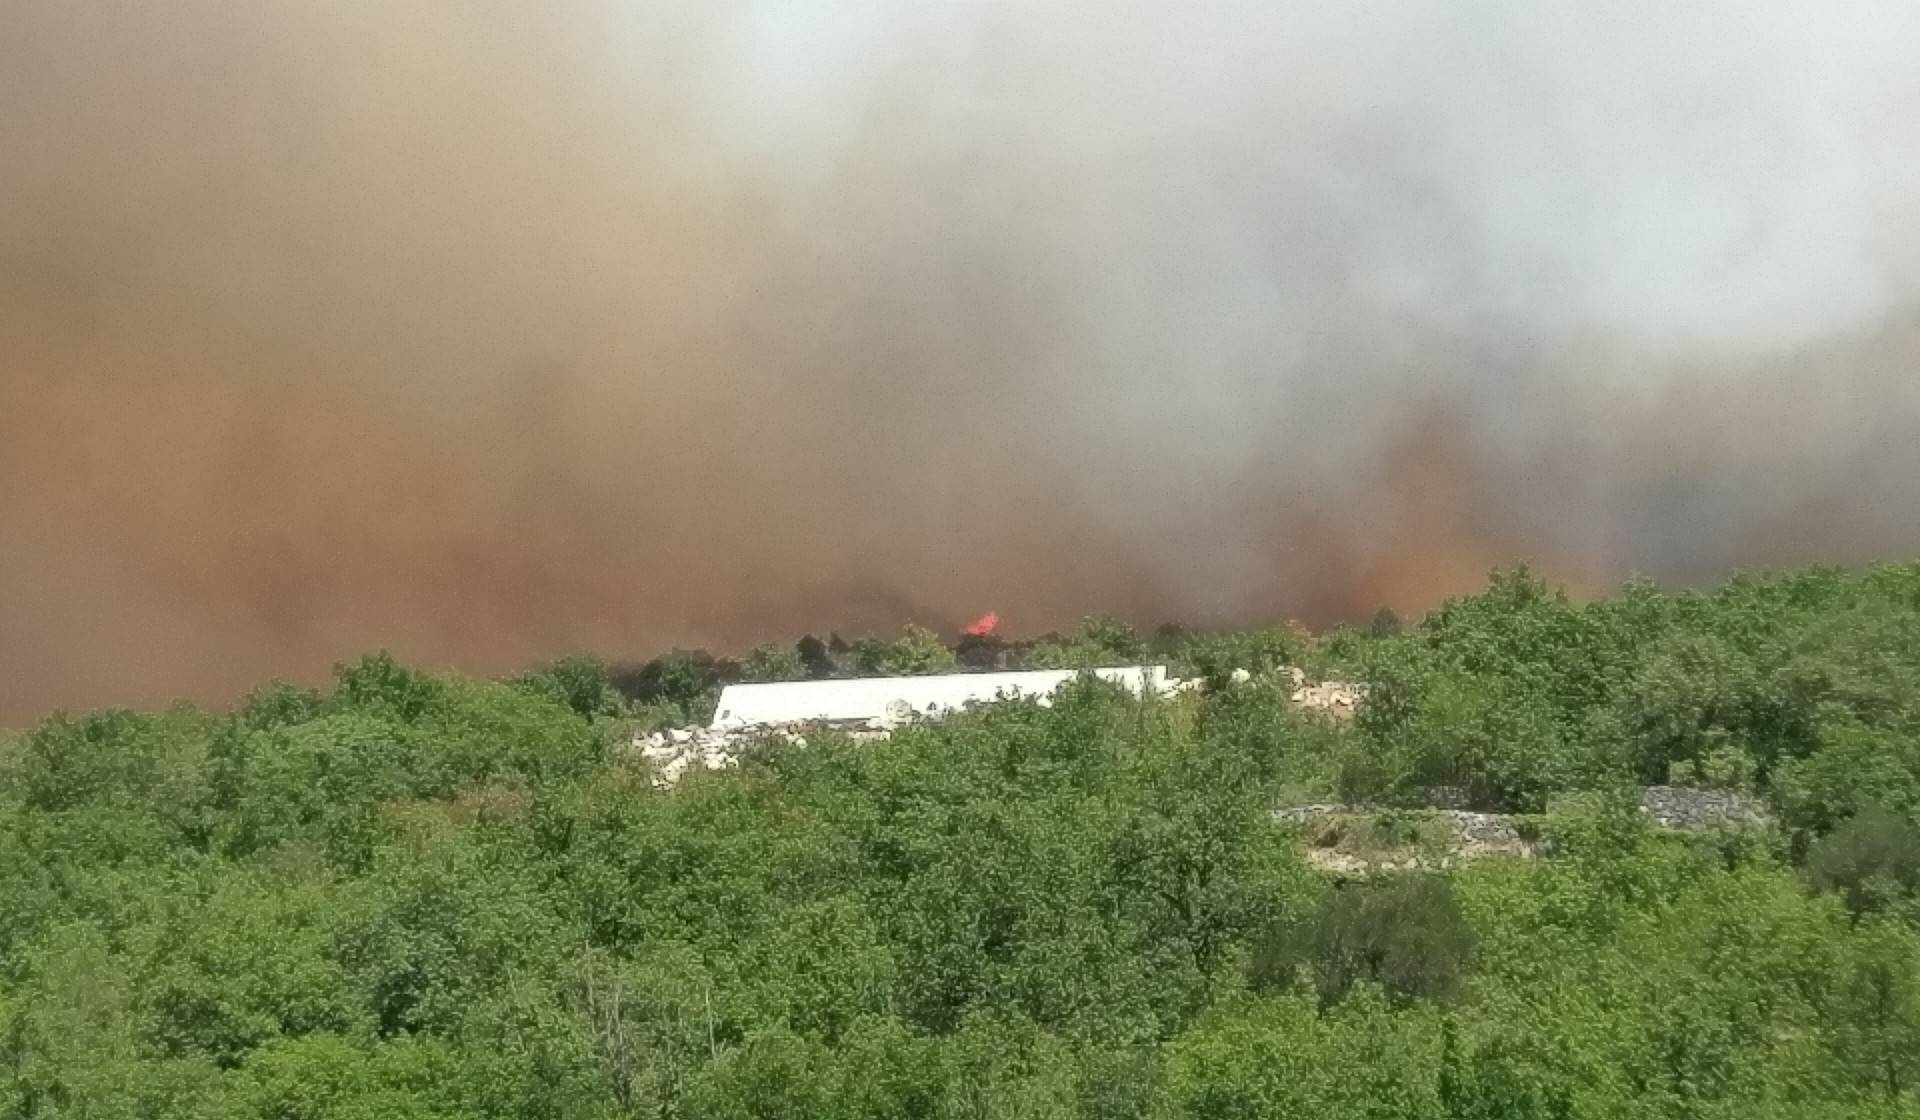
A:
[1335,698]
[1473,835]
[1690,809]
[672,753]
[1468,836]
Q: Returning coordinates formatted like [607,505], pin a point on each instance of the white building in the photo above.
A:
[890,700]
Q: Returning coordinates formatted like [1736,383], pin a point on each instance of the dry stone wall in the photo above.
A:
[1689,809]
[1352,839]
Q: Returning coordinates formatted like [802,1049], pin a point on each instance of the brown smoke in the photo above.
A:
[489,332]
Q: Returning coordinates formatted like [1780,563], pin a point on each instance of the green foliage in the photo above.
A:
[1405,934]
[1214,657]
[687,681]
[584,684]
[917,650]
[1279,1058]
[1100,641]
[1877,1010]
[323,1077]
[421,895]
[774,663]
[1855,766]
[109,757]
[1873,860]
[378,683]
[1493,739]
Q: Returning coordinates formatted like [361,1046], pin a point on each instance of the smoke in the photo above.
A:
[487,332]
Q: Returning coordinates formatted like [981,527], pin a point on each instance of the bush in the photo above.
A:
[423,895]
[690,680]
[1100,641]
[775,663]
[1872,860]
[816,658]
[378,682]
[1405,933]
[1856,765]
[981,651]
[583,684]
[1214,657]
[916,651]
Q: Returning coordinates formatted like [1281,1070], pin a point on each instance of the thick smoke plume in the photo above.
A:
[490,331]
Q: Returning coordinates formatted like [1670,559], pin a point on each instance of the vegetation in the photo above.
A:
[411,895]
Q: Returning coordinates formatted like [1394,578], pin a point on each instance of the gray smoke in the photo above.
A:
[487,332]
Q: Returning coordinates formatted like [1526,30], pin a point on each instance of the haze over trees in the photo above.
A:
[414,895]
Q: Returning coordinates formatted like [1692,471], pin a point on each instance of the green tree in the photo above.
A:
[1876,1017]
[773,663]
[1100,641]
[687,680]
[1873,861]
[1405,933]
[583,684]
[916,651]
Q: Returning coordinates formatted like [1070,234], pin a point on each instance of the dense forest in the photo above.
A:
[421,895]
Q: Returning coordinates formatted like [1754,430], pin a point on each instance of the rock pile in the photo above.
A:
[1446,797]
[1487,833]
[674,752]
[1446,836]
[1335,698]
[1348,839]
[1688,809]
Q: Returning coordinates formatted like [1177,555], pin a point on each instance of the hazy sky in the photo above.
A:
[486,332]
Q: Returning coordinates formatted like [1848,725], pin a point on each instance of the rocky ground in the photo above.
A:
[1353,839]
[672,753]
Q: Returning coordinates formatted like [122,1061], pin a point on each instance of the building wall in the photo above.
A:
[869,698]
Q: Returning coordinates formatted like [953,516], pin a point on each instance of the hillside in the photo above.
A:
[415,895]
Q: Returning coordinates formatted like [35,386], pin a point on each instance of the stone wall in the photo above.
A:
[1688,809]
[1352,839]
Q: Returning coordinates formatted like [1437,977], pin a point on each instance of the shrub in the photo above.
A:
[917,650]
[583,684]
[1404,933]
[775,663]
[688,679]
[1871,860]
[1099,641]
[815,658]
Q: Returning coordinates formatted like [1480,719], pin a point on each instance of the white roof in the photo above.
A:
[869,698]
